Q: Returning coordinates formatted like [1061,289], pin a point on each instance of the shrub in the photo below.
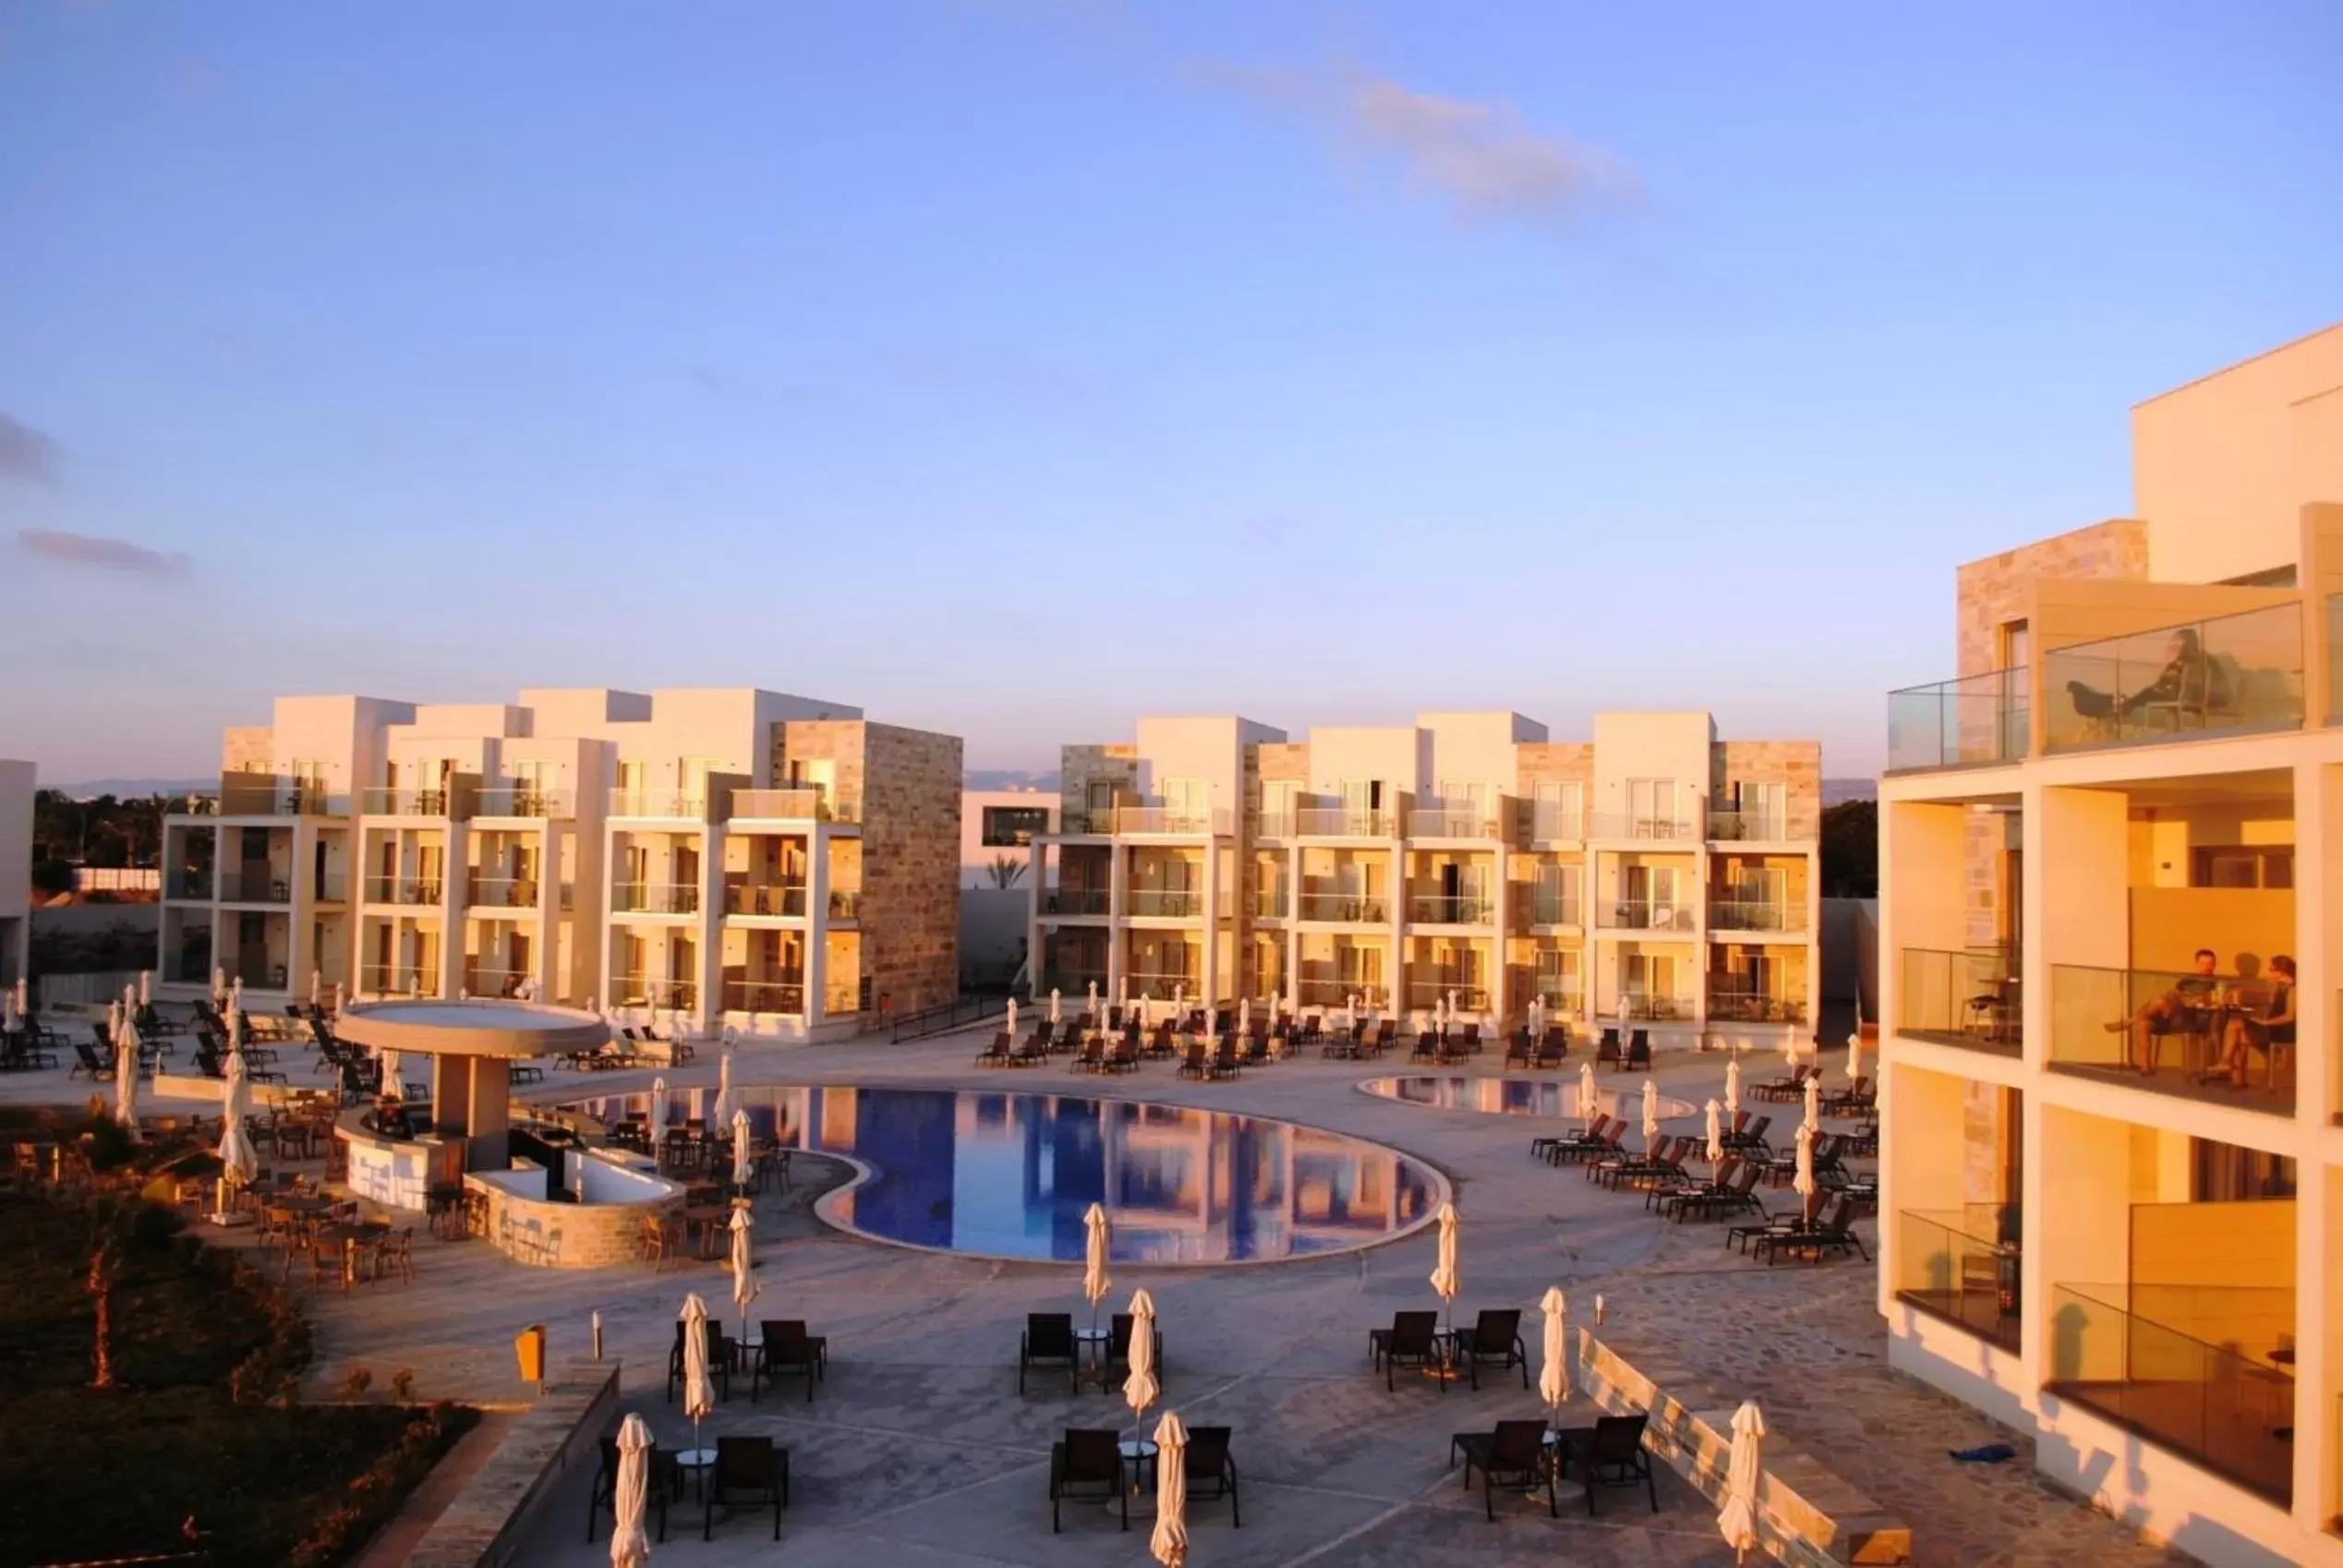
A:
[355,1381]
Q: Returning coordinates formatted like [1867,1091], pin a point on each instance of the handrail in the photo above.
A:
[944,1017]
[1966,722]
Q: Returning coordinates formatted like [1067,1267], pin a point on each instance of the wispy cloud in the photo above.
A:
[27,454]
[105,555]
[1482,159]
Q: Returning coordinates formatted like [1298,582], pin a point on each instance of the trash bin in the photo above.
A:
[529,1345]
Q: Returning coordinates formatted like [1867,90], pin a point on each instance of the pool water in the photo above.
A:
[1545,1097]
[1011,1174]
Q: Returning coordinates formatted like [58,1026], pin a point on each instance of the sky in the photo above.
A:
[1012,368]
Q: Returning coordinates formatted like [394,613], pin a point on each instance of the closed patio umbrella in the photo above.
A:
[239,1161]
[1802,1182]
[1095,1285]
[126,1073]
[722,1111]
[1169,1543]
[1733,1086]
[659,1114]
[1716,1135]
[24,998]
[744,1287]
[1446,1280]
[699,1394]
[1813,1103]
[146,988]
[317,987]
[1010,1022]
[631,1495]
[1587,1095]
[1141,1389]
[1537,1017]
[394,1087]
[1737,1522]
[1244,1014]
[236,1035]
[1090,1009]
[1179,1003]
[1650,1116]
[1055,1016]
[1855,1054]
[235,993]
[1553,1376]
[339,996]
[742,1166]
[219,985]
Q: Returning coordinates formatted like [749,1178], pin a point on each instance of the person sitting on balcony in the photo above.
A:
[2192,681]
[2179,1009]
[2272,1026]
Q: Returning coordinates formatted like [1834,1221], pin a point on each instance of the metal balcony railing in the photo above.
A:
[1971,722]
[655,898]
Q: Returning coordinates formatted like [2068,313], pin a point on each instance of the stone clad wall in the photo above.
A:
[1281,759]
[1992,592]
[1077,765]
[1797,764]
[247,748]
[911,868]
[592,1236]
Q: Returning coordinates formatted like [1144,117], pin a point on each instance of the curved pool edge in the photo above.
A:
[1685,1111]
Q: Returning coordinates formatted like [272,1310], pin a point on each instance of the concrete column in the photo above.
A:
[2318,1204]
[1208,979]
[2082,915]
[1036,899]
[1501,990]
[1396,977]
[1115,964]
[453,937]
[817,924]
[710,981]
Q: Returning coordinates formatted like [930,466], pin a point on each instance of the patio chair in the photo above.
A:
[1413,1338]
[1639,1051]
[1496,1337]
[1376,1046]
[1513,1453]
[1748,1134]
[1032,1054]
[1518,1048]
[1471,1039]
[750,1472]
[1609,1453]
[1048,1341]
[602,1497]
[89,1059]
[1736,1195]
[1665,1195]
[1224,1063]
[720,1359]
[1542,1148]
[783,1345]
[1124,1057]
[1832,1232]
[1196,1065]
[1165,1042]
[1603,1145]
[1092,1057]
[1553,1047]
[1087,1457]
[1427,1047]
[1607,1048]
[1118,1351]
[1209,1465]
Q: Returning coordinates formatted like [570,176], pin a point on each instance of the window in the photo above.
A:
[1763,808]
[1013,826]
[1559,808]
[1279,799]
[2226,1174]
[2016,649]
[1187,803]
[2244,865]
[1652,808]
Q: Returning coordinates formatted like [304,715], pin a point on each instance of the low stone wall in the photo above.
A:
[1807,1515]
[482,1527]
[568,1235]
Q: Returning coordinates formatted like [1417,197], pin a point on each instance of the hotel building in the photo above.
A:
[1654,873]
[16,786]
[737,857]
[2111,1195]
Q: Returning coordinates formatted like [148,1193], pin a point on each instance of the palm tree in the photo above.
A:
[1005,870]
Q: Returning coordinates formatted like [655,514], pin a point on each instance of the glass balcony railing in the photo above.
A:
[1558,995]
[1174,903]
[491,981]
[1451,822]
[1550,823]
[1169,819]
[784,996]
[1343,821]
[418,891]
[1640,1008]
[1356,909]
[1342,993]
[1077,901]
[523,801]
[1971,722]
[266,794]
[192,884]
[1647,915]
[1269,904]
[1554,909]
[1647,828]
[781,900]
[255,888]
[1072,982]
[502,892]
[1272,824]
[846,903]
[647,991]
[1450,909]
[1161,985]
[397,980]
[2223,1406]
[1971,998]
[1756,914]
[435,801]
[1744,827]
[2170,1032]
[331,889]
[2226,675]
[1962,1265]
[659,805]
[655,898]
[1732,1002]
[801,804]
[842,998]
[1462,995]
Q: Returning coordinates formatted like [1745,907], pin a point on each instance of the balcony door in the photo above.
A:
[1558,808]
[1764,808]
[1648,977]
[1362,799]
[1358,968]
[1652,808]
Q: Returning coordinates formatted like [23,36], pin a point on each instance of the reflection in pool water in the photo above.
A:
[1012,1174]
[1518,1097]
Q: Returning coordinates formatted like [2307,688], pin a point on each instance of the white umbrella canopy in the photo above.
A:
[1737,1522]
[631,1495]
[1011,1024]
[1446,1279]
[235,1034]
[316,988]
[742,1166]
[699,1394]
[1169,1543]
[126,1075]
[1090,1009]
[1057,1015]
[1650,1116]
[146,987]
[394,1086]
[1716,1130]
[722,1110]
[24,997]
[1733,1086]
[1814,1101]
[1586,1095]
[659,1111]
[1537,1017]
[339,997]
[1553,1376]
[238,1157]
[1802,1183]
[1855,1054]
[1141,1389]
[1244,1014]
[236,993]
[744,1287]
[1095,1285]
[219,985]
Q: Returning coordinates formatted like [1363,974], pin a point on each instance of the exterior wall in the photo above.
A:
[976,855]
[1398,755]
[18,783]
[1648,745]
[1797,764]
[2220,465]
[910,872]
[1994,591]
[1079,767]
[592,1236]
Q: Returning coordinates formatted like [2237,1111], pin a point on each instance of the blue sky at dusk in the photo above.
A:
[1011,369]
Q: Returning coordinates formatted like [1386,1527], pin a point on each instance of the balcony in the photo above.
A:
[1558,995]
[1080,823]
[659,805]
[783,901]
[1977,721]
[801,804]
[397,980]
[1554,909]
[1446,908]
[1343,821]
[409,891]
[331,889]
[1973,999]
[1462,995]
[271,794]
[1729,1003]
[1550,823]
[846,903]
[1645,826]
[439,802]
[523,802]
[2180,1025]
[1072,982]
[1962,1266]
[1451,822]
[254,887]
[2222,1406]
[1756,915]
[1161,985]
[1341,992]
[655,898]
[1077,901]
[1639,1007]
[1170,820]
[2231,675]
[1176,903]
[502,892]
[1649,914]
[490,981]
[649,991]
[786,997]
[195,886]
[1271,824]
[1269,904]
[1748,827]
[1345,908]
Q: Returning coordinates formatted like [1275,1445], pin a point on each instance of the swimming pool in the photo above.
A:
[1011,1174]
[1551,1098]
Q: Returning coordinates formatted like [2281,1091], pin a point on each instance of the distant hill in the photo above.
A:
[1838,792]
[1008,779]
[130,787]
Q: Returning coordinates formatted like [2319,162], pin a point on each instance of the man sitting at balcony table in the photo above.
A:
[2274,1026]
[2190,682]
[2182,1008]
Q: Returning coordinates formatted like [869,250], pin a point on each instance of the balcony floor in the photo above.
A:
[2235,1441]
[1977,1310]
[2183,1085]
[1968,1041]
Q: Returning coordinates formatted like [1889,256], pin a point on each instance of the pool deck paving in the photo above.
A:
[918,1449]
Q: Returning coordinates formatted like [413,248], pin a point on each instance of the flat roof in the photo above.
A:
[472,1028]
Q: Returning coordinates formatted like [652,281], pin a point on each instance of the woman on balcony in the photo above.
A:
[2273,1028]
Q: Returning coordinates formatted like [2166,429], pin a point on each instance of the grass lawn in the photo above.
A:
[196,1425]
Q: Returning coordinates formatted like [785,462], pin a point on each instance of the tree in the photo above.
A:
[1850,850]
[1005,870]
[52,877]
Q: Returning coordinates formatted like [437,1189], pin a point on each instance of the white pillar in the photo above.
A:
[1208,977]
[1114,967]
[818,919]
[1501,990]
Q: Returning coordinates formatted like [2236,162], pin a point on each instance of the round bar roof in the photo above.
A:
[472,1028]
